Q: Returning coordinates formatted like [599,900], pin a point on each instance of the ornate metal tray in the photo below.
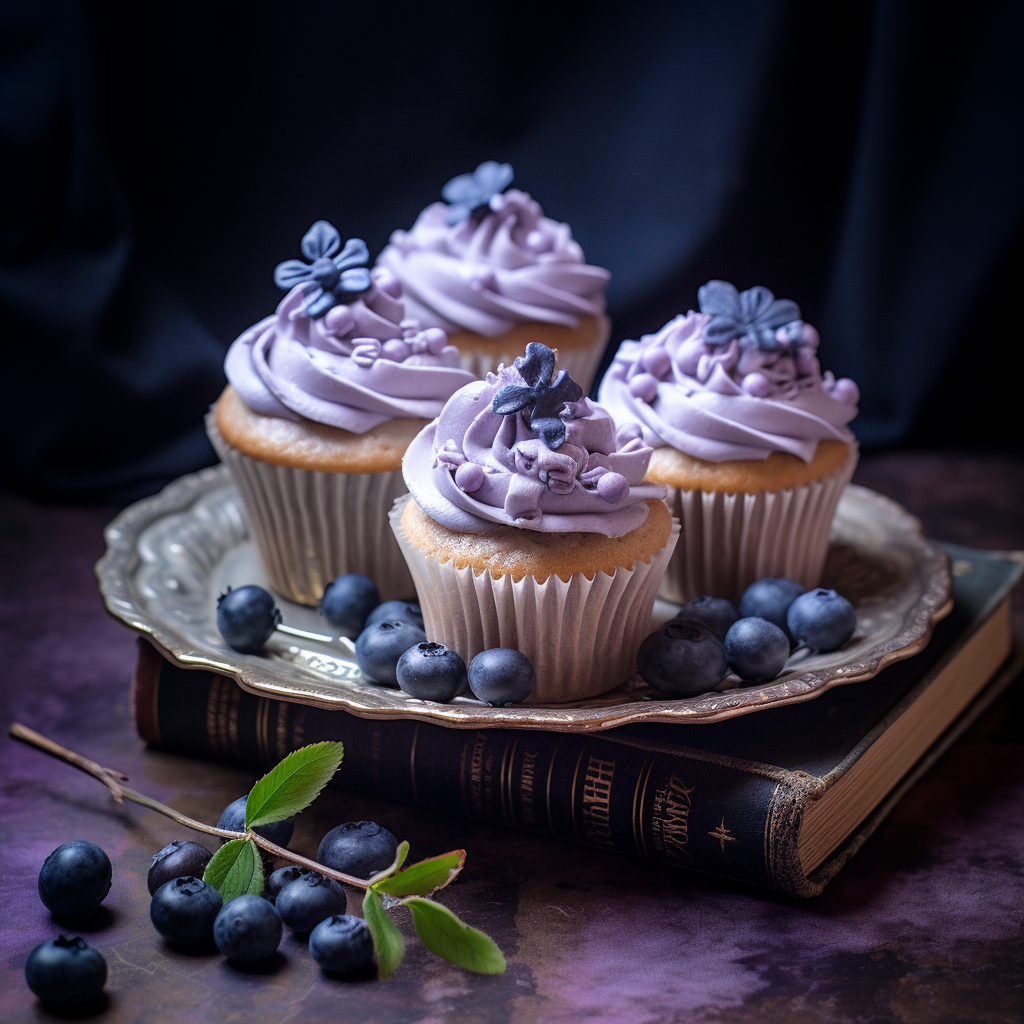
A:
[168,557]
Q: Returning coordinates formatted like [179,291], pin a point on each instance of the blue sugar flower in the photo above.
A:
[328,279]
[752,316]
[469,192]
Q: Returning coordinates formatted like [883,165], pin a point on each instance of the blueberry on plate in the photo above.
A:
[347,601]
[395,611]
[65,972]
[716,613]
[769,598]
[278,879]
[246,617]
[248,929]
[756,648]
[305,902]
[74,879]
[358,848]
[342,944]
[821,619]
[501,676]
[682,658]
[233,819]
[183,911]
[176,860]
[431,672]
[379,647]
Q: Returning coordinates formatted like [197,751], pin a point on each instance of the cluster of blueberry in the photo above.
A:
[189,912]
[391,647]
[709,637]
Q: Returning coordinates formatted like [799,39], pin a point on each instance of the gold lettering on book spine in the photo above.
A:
[476,775]
[597,797]
[526,780]
[670,820]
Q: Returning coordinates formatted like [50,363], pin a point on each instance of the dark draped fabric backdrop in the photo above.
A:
[158,160]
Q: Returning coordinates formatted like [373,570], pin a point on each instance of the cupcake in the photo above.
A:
[749,436]
[528,525]
[323,398]
[491,270]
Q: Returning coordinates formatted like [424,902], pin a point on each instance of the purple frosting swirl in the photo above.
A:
[503,265]
[358,366]
[474,468]
[727,401]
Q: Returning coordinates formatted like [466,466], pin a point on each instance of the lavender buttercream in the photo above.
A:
[723,388]
[503,264]
[360,364]
[525,448]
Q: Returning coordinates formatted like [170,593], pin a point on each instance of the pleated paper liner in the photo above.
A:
[727,541]
[311,527]
[582,635]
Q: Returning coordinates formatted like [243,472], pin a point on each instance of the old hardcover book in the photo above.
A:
[779,798]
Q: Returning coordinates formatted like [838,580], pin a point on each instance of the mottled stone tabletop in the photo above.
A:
[924,924]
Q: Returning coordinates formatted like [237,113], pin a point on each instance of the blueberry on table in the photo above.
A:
[501,676]
[248,929]
[342,944]
[683,658]
[74,879]
[769,598]
[347,601]
[756,648]
[278,879]
[431,672]
[246,617]
[379,647]
[821,619]
[183,911]
[176,860]
[65,972]
[716,613]
[358,848]
[395,611]
[233,819]
[305,902]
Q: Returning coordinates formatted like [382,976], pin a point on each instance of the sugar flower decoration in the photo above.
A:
[754,317]
[469,192]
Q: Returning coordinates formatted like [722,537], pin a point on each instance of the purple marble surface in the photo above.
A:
[924,925]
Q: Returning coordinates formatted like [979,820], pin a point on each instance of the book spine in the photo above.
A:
[705,816]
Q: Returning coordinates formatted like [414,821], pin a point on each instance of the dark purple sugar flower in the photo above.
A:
[544,397]
[753,316]
[328,279]
[469,192]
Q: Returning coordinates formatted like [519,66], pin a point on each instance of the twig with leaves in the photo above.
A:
[237,868]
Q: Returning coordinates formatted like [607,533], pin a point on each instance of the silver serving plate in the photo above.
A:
[168,558]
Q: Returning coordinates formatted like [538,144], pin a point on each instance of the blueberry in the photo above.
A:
[358,848]
[756,648]
[769,598]
[74,879]
[246,617]
[342,944]
[431,672]
[65,972]
[176,860]
[233,819]
[184,909]
[715,612]
[347,601]
[395,611]
[278,879]
[822,619]
[682,658]
[501,676]
[248,929]
[304,903]
[379,647]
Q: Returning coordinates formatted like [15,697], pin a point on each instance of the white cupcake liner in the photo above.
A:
[582,636]
[727,541]
[311,527]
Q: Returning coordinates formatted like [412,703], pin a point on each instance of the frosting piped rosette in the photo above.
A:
[526,448]
[739,379]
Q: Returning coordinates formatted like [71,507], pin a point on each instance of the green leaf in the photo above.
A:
[387,939]
[424,877]
[444,934]
[400,854]
[293,785]
[236,869]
